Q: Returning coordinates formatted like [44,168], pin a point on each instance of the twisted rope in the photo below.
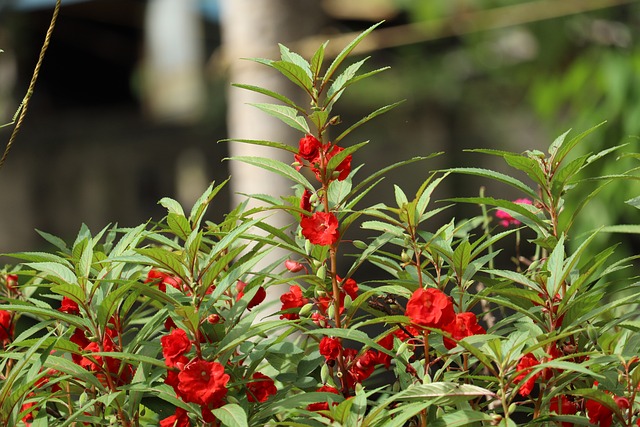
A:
[22,110]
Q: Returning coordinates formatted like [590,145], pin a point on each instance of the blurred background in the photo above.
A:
[134,95]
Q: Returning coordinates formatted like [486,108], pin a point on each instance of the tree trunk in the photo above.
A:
[252,29]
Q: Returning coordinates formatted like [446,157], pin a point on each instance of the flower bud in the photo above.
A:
[293,266]
[331,311]
[347,302]
[306,309]
[213,319]
[324,374]
[402,349]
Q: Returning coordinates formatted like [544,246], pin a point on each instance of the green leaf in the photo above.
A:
[55,272]
[461,258]
[564,148]
[271,94]
[444,391]
[179,225]
[520,211]
[338,86]
[295,73]
[335,161]
[74,292]
[365,119]
[319,118]
[231,415]
[292,57]
[557,143]
[316,60]
[635,202]
[287,115]
[165,259]
[531,167]
[554,265]
[278,167]
[83,252]
[279,145]
[621,228]
[462,418]
[171,205]
[54,240]
[200,206]
[39,257]
[345,52]
[498,176]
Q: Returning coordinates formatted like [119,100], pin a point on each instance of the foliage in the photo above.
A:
[168,324]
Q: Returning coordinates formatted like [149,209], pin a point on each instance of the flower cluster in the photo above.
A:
[320,227]
[193,378]
[432,308]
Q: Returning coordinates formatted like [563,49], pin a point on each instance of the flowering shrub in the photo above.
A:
[163,324]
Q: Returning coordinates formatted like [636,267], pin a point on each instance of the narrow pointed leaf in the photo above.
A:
[366,119]
[345,52]
[287,115]
[278,167]
[271,94]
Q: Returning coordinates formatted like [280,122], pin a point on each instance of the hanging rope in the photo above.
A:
[18,118]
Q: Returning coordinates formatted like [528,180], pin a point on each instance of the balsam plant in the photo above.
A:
[163,323]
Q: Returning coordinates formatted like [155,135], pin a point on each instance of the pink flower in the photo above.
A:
[506,218]
[293,266]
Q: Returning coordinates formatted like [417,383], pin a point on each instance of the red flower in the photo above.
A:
[506,218]
[349,286]
[174,345]
[362,367]
[260,295]
[28,418]
[6,327]
[179,419]
[163,280]
[323,406]
[202,382]
[305,202]
[563,406]
[260,389]
[430,307]
[11,280]
[330,348]
[321,228]
[464,325]
[524,365]
[292,299]
[599,414]
[344,168]
[308,147]
[79,338]
[69,306]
